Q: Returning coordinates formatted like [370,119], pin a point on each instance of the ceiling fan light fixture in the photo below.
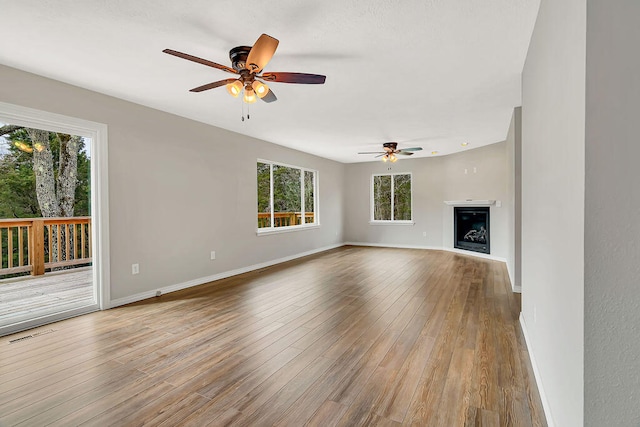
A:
[260,88]
[385,158]
[249,96]
[234,88]
[393,158]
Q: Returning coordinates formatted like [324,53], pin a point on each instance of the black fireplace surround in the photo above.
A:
[471,229]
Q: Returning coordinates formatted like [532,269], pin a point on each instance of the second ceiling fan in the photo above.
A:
[391,150]
[247,63]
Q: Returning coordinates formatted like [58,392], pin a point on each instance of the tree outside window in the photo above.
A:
[391,198]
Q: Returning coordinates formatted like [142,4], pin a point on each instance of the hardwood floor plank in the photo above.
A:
[327,415]
[272,409]
[337,338]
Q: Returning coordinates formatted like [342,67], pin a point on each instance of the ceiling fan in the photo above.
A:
[248,62]
[391,150]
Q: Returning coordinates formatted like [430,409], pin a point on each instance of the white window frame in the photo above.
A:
[316,214]
[391,221]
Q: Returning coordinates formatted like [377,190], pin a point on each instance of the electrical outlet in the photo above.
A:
[213,254]
[135,268]
[424,234]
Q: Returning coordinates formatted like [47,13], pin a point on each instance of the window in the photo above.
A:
[391,198]
[286,196]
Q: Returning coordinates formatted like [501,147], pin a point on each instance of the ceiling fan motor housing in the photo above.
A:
[390,145]
[238,56]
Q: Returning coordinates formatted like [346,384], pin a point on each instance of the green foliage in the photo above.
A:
[264,187]
[82,203]
[286,189]
[382,197]
[18,183]
[402,197]
[17,186]
[308,191]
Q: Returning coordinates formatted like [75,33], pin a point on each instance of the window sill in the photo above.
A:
[278,230]
[392,223]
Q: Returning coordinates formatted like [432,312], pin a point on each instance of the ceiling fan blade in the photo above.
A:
[412,149]
[303,78]
[261,53]
[200,60]
[269,97]
[212,85]
[383,154]
[372,152]
[403,153]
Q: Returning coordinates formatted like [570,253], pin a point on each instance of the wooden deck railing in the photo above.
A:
[38,244]
[284,219]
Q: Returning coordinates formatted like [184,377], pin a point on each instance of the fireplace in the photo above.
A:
[471,229]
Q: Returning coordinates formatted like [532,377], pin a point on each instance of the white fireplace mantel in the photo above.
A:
[472,202]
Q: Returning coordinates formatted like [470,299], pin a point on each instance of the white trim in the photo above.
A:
[517,289]
[470,202]
[219,276]
[536,373]
[392,245]
[277,230]
[97,132]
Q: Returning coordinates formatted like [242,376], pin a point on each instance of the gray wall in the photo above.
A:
[435,180]
[553,122]
[612,228]
[173,196]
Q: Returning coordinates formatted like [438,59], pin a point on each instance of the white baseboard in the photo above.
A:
[536,373]
[202,280]
[391,245]
[438,248]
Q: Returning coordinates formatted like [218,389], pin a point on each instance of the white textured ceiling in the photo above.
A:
[429,73]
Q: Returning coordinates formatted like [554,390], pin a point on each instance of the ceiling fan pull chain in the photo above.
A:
[242,109]
[248,110]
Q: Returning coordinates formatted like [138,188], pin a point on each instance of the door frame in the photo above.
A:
[97,132]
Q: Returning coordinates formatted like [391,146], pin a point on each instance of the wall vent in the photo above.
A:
[33,335]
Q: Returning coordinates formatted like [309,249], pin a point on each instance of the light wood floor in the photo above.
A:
[353,336]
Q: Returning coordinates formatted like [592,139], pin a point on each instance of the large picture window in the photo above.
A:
[391,198]
[287,196]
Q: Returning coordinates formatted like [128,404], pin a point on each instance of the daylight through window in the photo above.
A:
[391,198]
[286,196]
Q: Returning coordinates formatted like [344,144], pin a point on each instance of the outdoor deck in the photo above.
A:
[24,295]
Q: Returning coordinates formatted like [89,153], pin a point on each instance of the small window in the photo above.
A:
[287,196]
[391,198]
